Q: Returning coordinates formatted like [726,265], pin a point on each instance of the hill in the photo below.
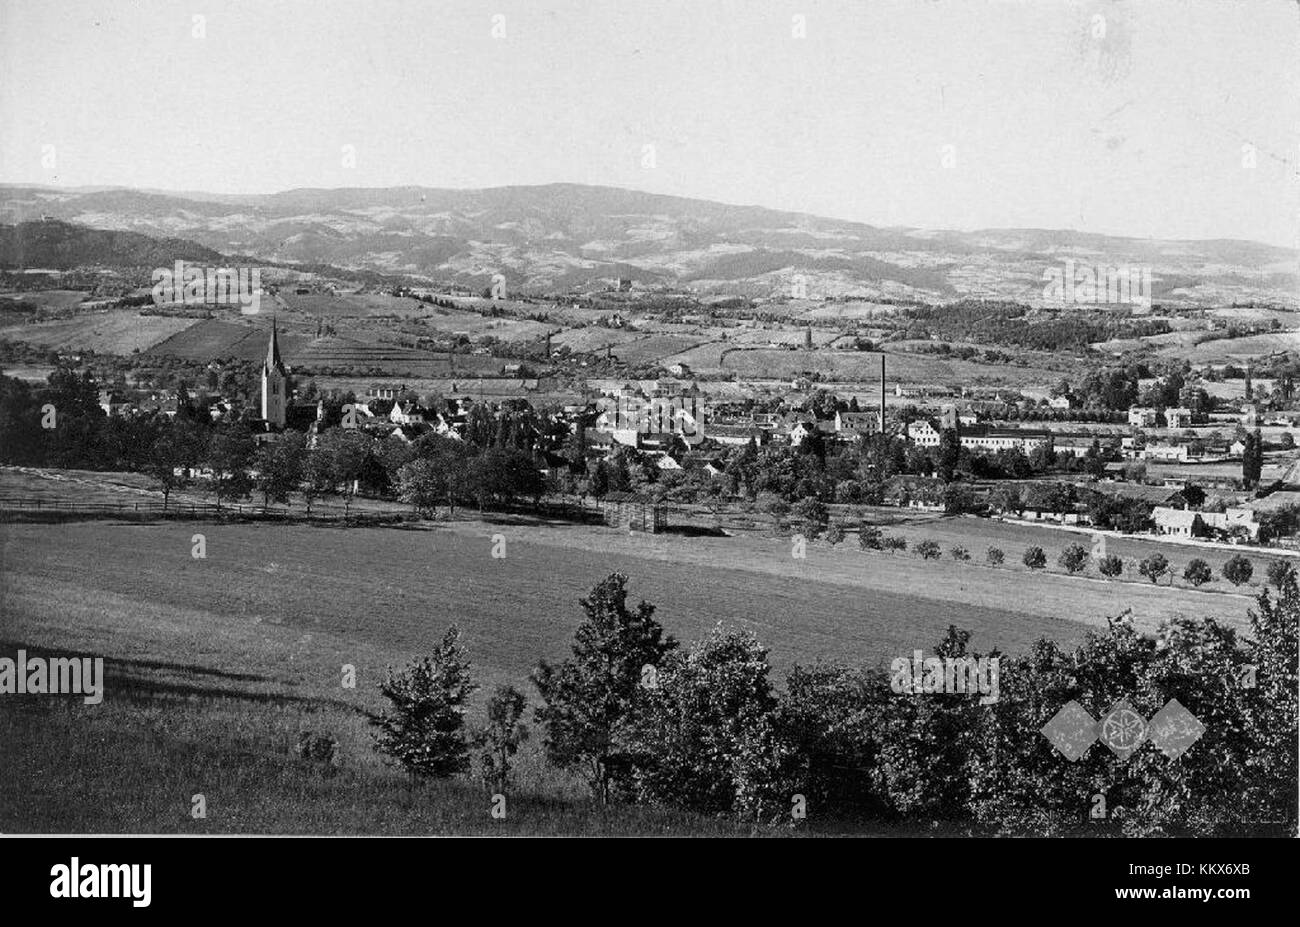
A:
[558,237]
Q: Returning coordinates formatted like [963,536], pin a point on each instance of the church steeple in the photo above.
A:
[273,360]
[275,382]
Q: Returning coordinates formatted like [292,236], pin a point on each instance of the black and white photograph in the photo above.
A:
[749,421]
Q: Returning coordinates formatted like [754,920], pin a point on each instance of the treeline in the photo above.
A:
[999,322]
[64,427]
[705,728]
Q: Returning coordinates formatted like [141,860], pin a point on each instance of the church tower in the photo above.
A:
[275,383]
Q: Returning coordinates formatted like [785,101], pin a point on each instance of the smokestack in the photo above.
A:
[882,392]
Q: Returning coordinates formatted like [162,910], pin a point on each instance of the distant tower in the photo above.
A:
[807,339]
[275,383]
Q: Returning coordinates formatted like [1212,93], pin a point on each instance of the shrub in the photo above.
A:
[994,556]
[870,537]
[1198,572]
[1238,570]
[500,738]
[835,533]
[1074,558]
[1034,558]
[959,553]
[424,729]
[928,550]
[695,732]
[1110,565]
[894,542]
[1281,573]
[1154,567]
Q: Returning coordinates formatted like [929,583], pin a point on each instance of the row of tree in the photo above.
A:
[706,729]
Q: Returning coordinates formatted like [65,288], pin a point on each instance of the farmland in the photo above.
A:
[118,331]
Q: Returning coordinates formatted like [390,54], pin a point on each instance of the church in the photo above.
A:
[275,384]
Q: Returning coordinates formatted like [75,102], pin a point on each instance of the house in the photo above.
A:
[406,413]
[113,403]
[852,425]
[1167,452]
[633,511]
[1237,523]
[1142,417]
[680,370]
[985,438]
[736,434]
[802,430]
[923,434]
[1178,417]
[1058,402]
[1177,522]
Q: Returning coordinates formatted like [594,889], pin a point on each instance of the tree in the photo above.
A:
[1110,565]
[892,542]
[959,553]
[165,458]
[501,736]
[1281,573]
[1252,459]
[1238,570]
[995,556]
[1154,567]
[422,484]
[229,454]
[587,698]
[423,729]
[835,533]
[318,476]
[1074,558]
[1034,558]
[350,452]
[949,453]
[928,550]
[1198,572]
[279,467]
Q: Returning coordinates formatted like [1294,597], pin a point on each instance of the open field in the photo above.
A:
[48,299]
[115,331]
[854,365]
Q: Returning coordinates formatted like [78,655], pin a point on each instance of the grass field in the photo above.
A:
[215,665]
[117,331]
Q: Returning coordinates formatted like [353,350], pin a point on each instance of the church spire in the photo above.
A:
[273,360]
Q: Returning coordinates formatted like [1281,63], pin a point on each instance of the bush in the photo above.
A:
[1110,565]
[1074,558]
[1198,572]
[928,550]
[424,729]
[959,553]
[1034,558]
[698,735]
[1281,573]
[1154,567]
[1238,570]
[870,537]
[893,542]
[500,738]
[994,556]
[835,533]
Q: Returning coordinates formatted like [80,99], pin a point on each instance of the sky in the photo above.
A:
[1164,118]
